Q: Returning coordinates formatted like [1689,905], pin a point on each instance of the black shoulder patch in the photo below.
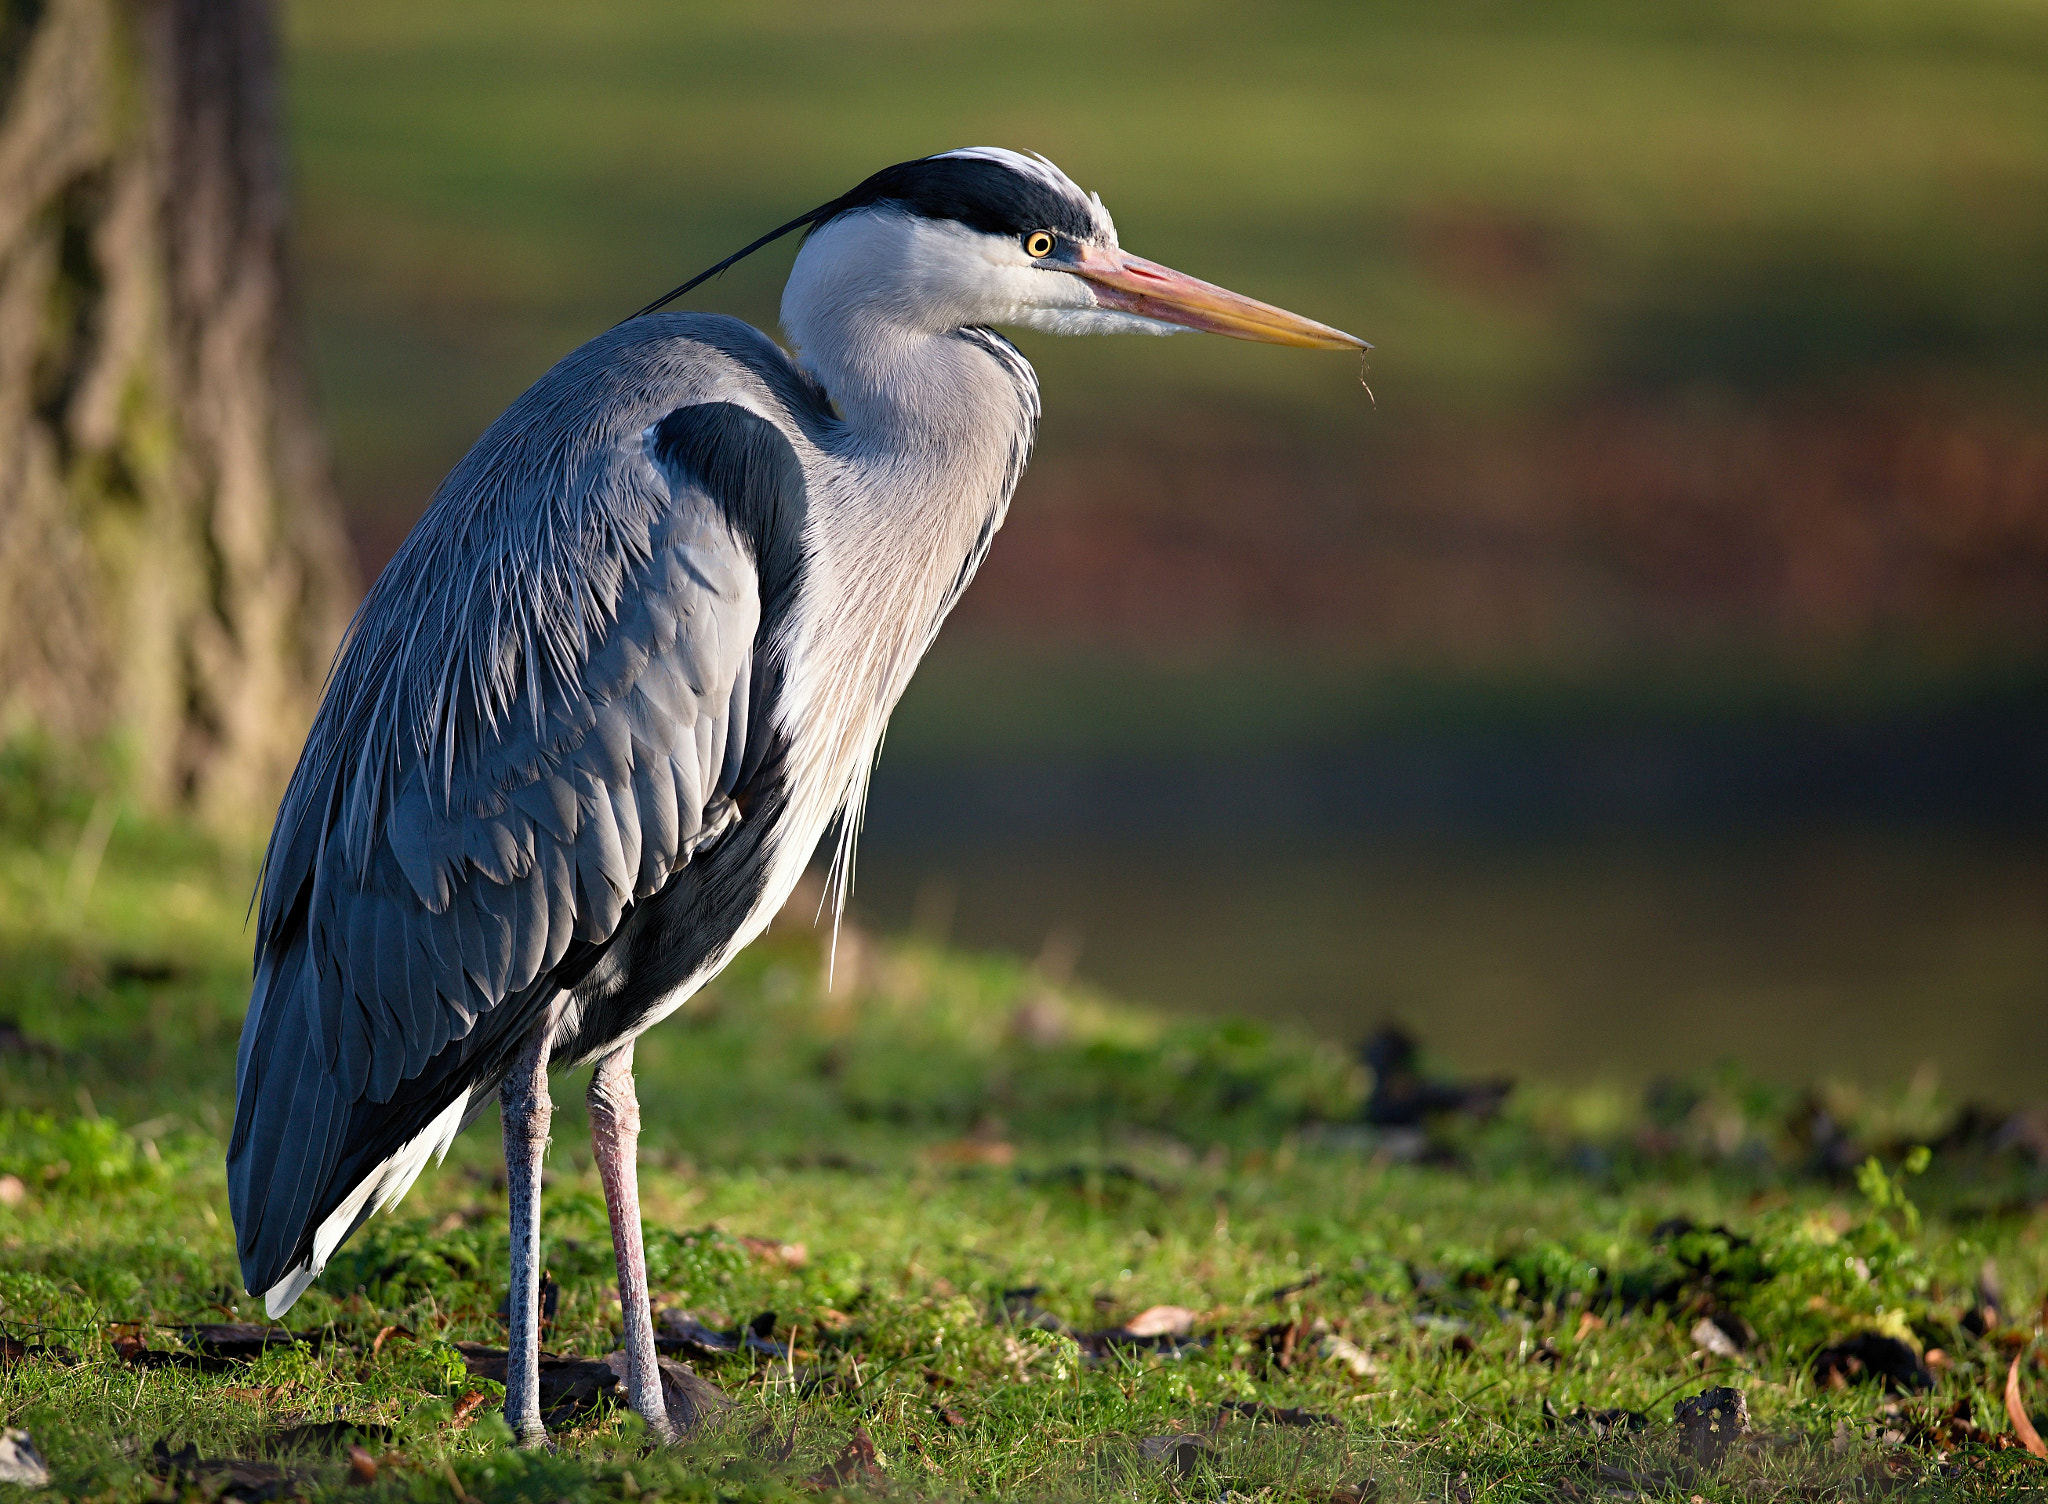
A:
[981,194]
[750,469]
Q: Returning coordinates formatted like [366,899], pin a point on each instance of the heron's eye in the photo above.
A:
[1038,244]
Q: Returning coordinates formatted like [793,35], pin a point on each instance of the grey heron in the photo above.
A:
[590,723]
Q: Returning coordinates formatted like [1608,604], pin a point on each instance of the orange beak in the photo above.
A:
[1131,284]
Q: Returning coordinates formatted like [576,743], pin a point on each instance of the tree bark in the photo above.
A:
[173,574]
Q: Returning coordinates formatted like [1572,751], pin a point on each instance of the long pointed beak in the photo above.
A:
[1131,284]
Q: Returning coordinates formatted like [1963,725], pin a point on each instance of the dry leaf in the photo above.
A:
[362,1467]
[1180,1452]
[860,1462]
[1161,1321]
[1350,1354]
[775,1251]
[385,1335]
[466,1407]
[1588,1323]
[2016,1412]
[1709,1338]
[973,1151]
[689,1399]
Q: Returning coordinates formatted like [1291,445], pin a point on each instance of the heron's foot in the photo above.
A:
[529,1436]
[660,1429]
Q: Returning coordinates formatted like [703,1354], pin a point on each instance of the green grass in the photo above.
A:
[1155,1162]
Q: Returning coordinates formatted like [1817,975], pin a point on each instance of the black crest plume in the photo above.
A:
[809,217]
[983,194]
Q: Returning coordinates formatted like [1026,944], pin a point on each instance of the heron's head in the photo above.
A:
[985,236]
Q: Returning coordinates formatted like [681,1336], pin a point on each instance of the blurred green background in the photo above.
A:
[1650,671]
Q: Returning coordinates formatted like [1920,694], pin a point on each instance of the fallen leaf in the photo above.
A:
[775,1251]
[689,1399]
[13,1350]
[466,1407]
[680,1332]
[1181,1452]
[385,1334]
[1161,1321]
[362,1467]
[997,1155]
[1588,1324]
[1350,1354]
[1709,1338]
[2016,1412]
[858,1462]
[568,1386]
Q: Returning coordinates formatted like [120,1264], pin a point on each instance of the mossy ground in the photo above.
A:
[940,1130]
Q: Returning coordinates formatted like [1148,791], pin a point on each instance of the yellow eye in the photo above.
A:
[1038,244]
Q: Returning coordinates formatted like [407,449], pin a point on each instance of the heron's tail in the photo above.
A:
[307,1165]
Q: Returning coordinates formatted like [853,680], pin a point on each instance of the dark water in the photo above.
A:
[1610,892]
[1865,956]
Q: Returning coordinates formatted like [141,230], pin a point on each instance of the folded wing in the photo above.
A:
[544,712]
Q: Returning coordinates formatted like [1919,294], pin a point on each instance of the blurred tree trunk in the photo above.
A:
[173,576]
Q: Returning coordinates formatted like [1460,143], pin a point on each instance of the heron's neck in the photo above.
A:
[953,399]
[935,429]
[934,432]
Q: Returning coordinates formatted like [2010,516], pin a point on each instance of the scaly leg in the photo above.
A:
[615,1139]
[524,1103]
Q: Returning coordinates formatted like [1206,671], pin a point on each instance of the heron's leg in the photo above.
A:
[526,1108]
[615,1139]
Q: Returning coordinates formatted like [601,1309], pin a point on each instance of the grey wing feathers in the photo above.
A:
[476,882]
[504,762]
